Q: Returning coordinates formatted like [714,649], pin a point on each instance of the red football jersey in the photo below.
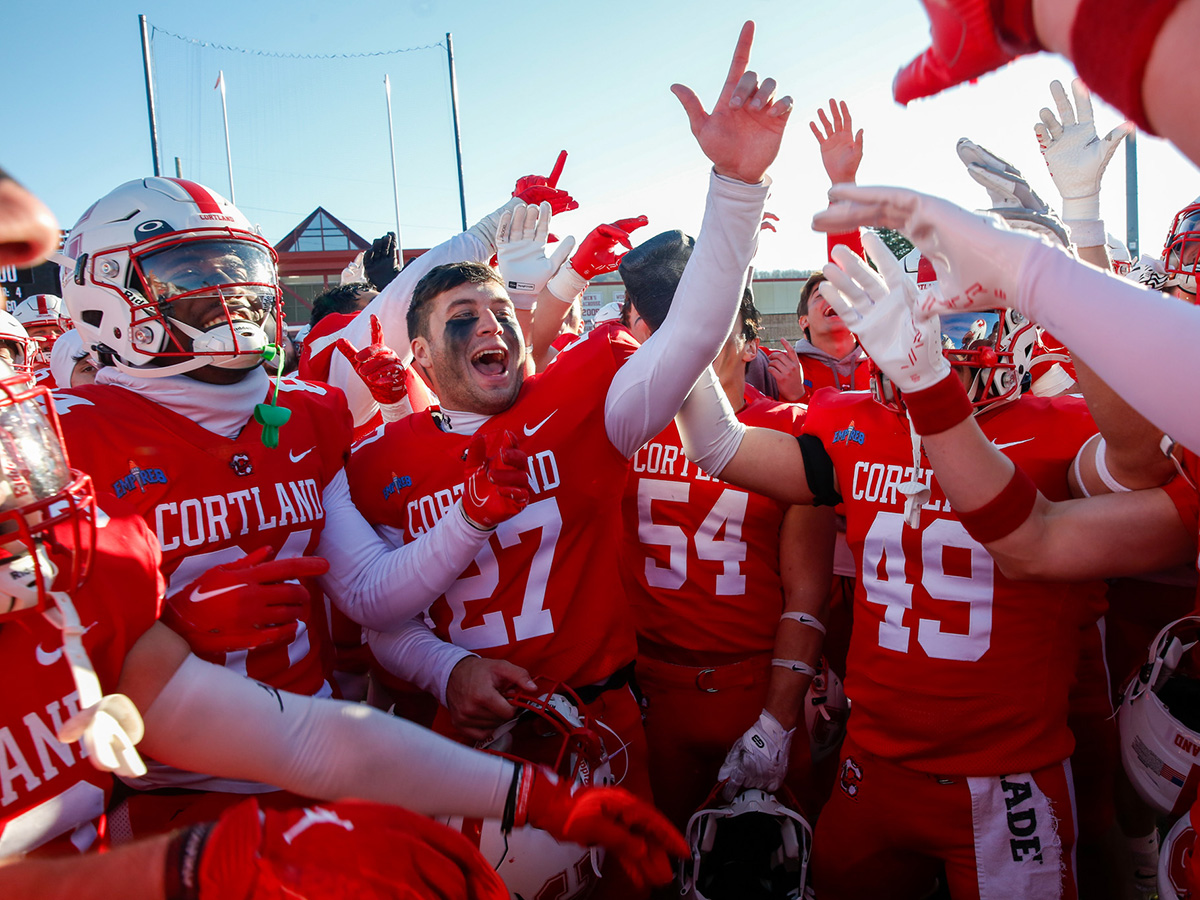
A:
[50,793]
[701,557]
[953,668]
[1184,494]
[320,344]
[212,500]
[545,591]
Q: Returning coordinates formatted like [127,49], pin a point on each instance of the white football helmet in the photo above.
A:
[1159,721]
[21,345]
[826,709]
[550,731]
[153,244]
[1118,254]
[1181,252]
[42,317]
[755,847]
[1178,867]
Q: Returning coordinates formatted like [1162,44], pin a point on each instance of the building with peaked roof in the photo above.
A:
[311,259]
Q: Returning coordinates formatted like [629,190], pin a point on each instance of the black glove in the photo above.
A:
[382,261]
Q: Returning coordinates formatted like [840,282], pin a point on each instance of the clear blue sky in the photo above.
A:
[534,77]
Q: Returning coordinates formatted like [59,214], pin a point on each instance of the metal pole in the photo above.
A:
[462,195]
[387,89]
[1131,198]
[225,115]
[178,168]
[147,66]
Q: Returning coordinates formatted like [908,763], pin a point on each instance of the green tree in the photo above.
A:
[895,241]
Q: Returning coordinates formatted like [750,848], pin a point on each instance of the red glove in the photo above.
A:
[969,38]
[339,851]
[534,189]
[597,252]
[497,482]
[639,837]
[243,604]
[381,370]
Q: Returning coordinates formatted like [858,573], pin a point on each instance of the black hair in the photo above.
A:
[437,281]
[806,292]
[340,299]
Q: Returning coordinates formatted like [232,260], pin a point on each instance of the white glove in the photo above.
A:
[882,312]
[1075,156]
[758,759]
[977,258]
[521,252]
[1006,186]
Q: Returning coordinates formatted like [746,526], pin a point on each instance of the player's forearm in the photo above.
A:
[381,586]
[416,654]
[132,872]
[650,387]
[391,308]
[208,719]
[1079,304]
[548,318]
[806,541]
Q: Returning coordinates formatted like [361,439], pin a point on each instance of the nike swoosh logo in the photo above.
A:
[1012,443]
[530,432]
[294,457]
[199,596]
[50,657]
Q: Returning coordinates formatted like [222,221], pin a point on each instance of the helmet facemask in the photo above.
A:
[1181,253]
[993,348]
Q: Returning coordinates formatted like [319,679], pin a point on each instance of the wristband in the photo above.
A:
[795,665]
[1106,477]
[804,619]
[1004,513]
[938,408]
[566,284]
[181,874]
[522,300]
[1111,43]
[1086,232]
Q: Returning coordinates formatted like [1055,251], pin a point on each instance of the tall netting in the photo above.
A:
[311,130]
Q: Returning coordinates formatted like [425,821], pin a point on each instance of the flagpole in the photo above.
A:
[387,89]
[225,115]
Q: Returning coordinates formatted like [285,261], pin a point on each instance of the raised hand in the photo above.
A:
[639,836]
[243,604]
[1006,186]
[1074,154]
[521,252]
[758,759]
[378,366]
[381,263]
[536,189]
[977,258]
[597,252]
[881,309]
[788,372]
[742,133]
[497,485]
[841,148]
[968,38]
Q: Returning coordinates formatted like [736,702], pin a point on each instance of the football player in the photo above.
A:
[709,570]
[69,560]
[542,593]
[42,315]
[933,610]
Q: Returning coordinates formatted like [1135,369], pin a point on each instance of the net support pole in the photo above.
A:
[462,194]
[387,89]
[147,66]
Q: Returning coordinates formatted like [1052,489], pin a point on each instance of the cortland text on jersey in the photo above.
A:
[425,510]
[217,518]
[654,458]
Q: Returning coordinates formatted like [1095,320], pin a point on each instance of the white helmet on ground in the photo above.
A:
[1159,722]
[755,847]
[1178,866]
[156,246]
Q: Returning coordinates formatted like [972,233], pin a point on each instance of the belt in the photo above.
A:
[709,679]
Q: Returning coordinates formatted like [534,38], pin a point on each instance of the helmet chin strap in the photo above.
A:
[239,345]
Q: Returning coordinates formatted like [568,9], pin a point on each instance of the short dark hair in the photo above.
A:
[340,299]
[749,317]
[806,292]
[438,280]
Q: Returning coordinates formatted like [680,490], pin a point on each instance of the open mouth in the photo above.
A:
[829,313]
[492,362]
[217,316]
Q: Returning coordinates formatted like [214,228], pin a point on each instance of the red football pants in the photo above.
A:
[693,717]
[887,831]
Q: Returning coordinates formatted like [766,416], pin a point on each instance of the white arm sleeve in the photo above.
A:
[380,585]
[708,429]
[391,308]
[649,388]
[416,654]
[208,719]
[1080,305]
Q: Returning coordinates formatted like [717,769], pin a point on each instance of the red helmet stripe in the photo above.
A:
[206,201]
